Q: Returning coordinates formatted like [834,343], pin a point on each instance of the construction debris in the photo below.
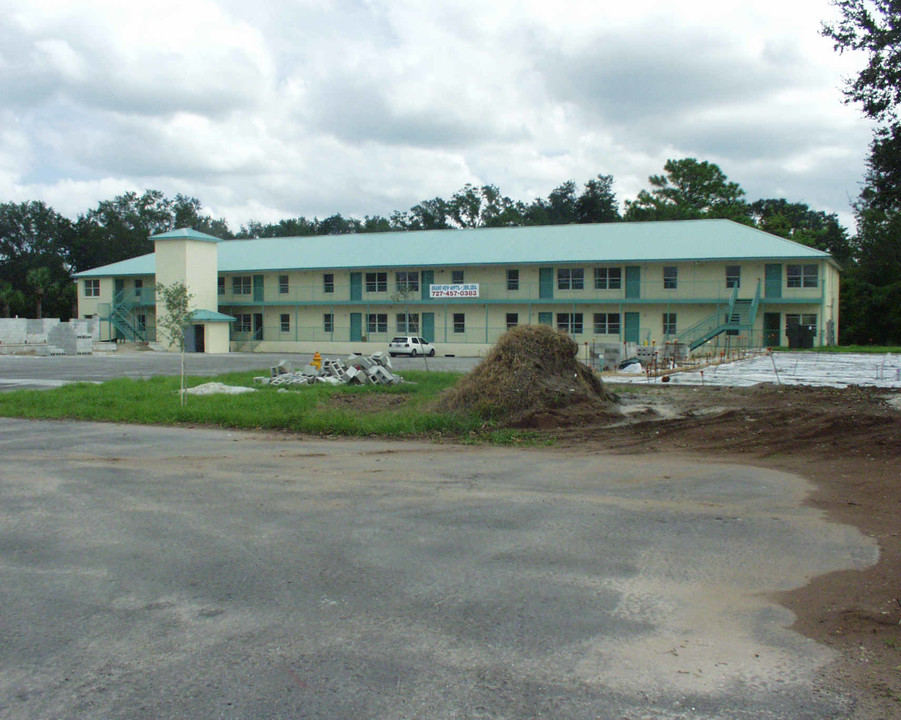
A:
[373,369]
[217,388]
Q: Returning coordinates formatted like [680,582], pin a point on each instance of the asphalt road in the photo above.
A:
[153,572]
[19,372]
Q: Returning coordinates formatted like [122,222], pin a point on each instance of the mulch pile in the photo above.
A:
[530,374]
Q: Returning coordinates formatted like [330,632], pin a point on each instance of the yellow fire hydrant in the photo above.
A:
[317,361]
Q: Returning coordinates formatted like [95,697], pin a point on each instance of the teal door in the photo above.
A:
[773,282]
[356,325]
[428,277]
[546,318]
[771,329]
[545,284]
[633,284]
[258,288]
[632,326]
[428,327]
[356,288]
[119,288]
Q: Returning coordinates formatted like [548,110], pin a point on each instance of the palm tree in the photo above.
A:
[7,296]
[40,280]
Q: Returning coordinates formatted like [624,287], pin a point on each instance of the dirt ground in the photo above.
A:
[847,442]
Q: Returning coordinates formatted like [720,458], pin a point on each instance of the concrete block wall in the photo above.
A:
[13,331]
[47,336]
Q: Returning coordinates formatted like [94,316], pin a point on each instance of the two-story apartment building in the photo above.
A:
[698,282]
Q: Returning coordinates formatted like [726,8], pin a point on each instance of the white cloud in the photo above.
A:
[366,106]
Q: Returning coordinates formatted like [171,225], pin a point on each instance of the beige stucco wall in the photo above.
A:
[216,338]
[193,263]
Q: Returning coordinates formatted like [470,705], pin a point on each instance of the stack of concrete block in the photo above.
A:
[355,370]
[73,338]
[13,331]
[646,354]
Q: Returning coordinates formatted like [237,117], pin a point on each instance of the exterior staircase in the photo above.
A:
[735,317]
[122,314]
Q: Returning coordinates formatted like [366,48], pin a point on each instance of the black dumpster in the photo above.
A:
[800,336]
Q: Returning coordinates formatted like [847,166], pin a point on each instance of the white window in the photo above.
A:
[92,288]
[670,277]
[242,323]
[512,320]
[608,278]
[377,323]
[407,281]
[328,322]
[606,323]
[457,277]
[669,324]
[802,276]
[570,323]
[459,322]
[733,276]
[408,323]
[285,322]
[220,286]
[512,279]
[376,282]
[283,284]
[571,278]
[328,283]
[241,285]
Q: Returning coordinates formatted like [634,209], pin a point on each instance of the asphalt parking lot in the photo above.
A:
[153,572]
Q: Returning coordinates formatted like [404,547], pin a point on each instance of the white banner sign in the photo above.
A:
[454,291]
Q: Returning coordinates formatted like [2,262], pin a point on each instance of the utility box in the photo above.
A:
[800,336]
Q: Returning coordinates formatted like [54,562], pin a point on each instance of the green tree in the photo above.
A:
[798,222]
[871,288]
[9,296]
[34,235]
[120,228]
[689,190]
[597,203]
[175,319]
[472,207]
[40,280]
[872,27]
[188,213]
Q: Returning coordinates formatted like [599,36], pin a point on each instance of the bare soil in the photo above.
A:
[848,443]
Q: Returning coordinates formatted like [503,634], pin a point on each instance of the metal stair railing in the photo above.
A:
[123,318]
[716,323]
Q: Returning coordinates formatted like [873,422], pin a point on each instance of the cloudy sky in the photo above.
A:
[278,108]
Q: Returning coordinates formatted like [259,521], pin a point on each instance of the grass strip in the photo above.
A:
[869,349]
[356,411]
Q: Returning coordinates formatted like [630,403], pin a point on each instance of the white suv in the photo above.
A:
[410,345]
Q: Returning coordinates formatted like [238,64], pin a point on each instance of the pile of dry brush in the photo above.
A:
[531,370]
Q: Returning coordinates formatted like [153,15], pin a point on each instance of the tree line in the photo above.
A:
[871,287]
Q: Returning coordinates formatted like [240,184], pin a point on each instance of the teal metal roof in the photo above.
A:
[141,265]
[687,240]
[210,316]
[186,234]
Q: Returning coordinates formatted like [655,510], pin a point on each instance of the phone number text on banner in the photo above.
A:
[454,291]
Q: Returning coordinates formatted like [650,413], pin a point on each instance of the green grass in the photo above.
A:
[309,409]
[875,349]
